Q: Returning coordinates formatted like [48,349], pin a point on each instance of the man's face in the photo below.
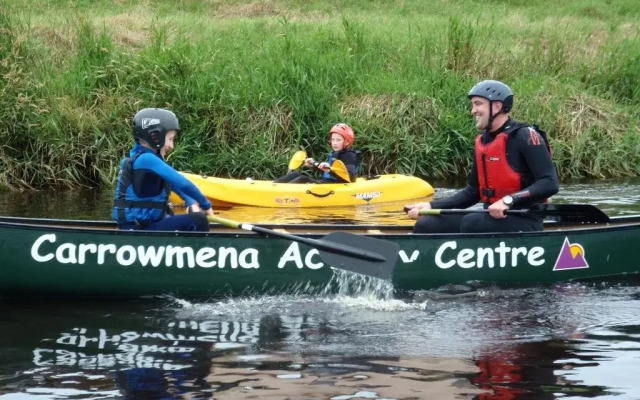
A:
[480,110]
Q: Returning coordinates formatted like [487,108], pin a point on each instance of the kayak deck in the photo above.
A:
[224,192]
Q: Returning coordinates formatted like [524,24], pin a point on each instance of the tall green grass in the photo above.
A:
[254,81]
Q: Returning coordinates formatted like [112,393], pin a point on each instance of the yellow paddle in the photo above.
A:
[337,167]
[297,160]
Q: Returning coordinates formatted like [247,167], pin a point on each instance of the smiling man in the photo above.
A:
[512,169]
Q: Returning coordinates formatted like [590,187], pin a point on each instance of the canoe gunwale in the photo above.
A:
[109,227]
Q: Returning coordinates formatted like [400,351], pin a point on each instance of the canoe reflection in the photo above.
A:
[257,358]
[237,359]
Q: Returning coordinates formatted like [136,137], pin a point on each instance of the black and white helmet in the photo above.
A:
[152,125]
[494,91]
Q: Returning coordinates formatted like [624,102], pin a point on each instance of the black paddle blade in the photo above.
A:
[572,213]
[379,260]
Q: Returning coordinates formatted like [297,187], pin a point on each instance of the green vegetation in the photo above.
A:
[254,81]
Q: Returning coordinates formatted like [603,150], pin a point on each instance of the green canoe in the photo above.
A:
[48,257]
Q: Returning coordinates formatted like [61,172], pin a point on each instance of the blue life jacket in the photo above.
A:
[327,175]
[129,207]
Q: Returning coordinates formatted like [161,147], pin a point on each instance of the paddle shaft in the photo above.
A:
[574,213]
[339,169]
[333,247]
[473,211]
[327,246]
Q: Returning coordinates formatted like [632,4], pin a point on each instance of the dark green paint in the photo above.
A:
[610,250]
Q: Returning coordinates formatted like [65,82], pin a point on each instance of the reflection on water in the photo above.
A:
[567,341]
[615,198]
[489,344]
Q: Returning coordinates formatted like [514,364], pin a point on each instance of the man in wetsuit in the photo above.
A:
[512,169]
[146,180]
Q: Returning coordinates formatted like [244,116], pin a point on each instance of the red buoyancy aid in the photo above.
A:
[496,177]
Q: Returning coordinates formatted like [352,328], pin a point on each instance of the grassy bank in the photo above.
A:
[254,81]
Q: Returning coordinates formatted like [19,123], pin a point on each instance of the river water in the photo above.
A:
[569,341]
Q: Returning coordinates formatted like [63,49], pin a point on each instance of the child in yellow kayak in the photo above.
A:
[340,167]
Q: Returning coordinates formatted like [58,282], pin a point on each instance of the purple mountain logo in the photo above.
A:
[571,257]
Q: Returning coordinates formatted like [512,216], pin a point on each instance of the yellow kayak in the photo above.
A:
[258,193]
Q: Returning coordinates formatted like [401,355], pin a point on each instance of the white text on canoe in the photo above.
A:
[45,249]
[501,256]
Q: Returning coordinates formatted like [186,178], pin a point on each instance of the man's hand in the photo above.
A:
[414,209]
[498,209]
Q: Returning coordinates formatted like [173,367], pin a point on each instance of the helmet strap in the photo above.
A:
[492,116]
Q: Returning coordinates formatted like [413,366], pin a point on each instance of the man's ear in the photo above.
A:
[496,106]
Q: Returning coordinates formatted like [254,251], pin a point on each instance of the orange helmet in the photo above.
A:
[346,132]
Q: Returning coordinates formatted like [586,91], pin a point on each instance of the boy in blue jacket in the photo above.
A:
[146,180]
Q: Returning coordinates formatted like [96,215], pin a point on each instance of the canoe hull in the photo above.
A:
[258,193]
[55,260]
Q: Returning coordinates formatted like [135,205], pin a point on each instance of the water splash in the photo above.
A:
[357,285]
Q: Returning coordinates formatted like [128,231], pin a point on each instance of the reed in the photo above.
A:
[252,82]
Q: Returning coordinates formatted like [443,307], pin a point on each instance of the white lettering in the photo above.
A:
[487,253]
[534,254]
[203,255]
[226,252]
[292,254]
[126,255]
[155,256]
[502,250]
[445,265]
[249,259]
[103,249]
[83,249]
[69,257]
[514,254]
[308,260]
[36,246]
[368,196]
[68,339]
[469,258]
[179,253]
[407,259]
[150,255]
[465,257]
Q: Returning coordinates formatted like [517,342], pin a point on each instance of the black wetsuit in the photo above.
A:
[539,182]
